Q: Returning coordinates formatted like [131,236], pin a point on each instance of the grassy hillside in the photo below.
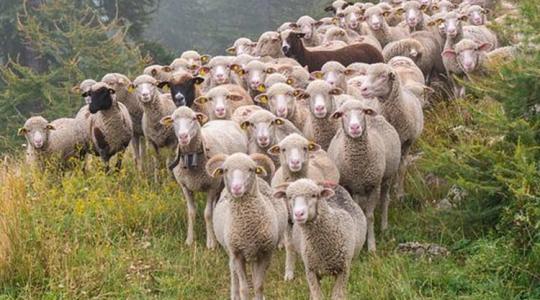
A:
[91,235]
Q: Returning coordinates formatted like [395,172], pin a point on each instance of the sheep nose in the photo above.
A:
[255,83]
[219,76]
[295,162]
[354,126]
[220,110]
[183,135]
[319,108]
[236,187]
[263,139]
[285,49]
[299,214]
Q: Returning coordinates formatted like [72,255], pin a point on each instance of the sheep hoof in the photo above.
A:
[289,275]
[210,244]
[189,241]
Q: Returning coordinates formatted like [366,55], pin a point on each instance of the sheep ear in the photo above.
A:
[235,97]
[202,118]
[205,59]
[274,150]
[76,89]
[449,53]
[237,69]
[317,74]
[370,112]
[265,165]
[278,121]
[300,34]
[434,7]
[387,13]
[22,131]
[203,71]
[245,125]
[337,114]
[391,76]
[270,70]
[348,72]
[261,88]
[484,47]
[313,147]
[326,193]
[198,80]
[318,23]
[153,72]
[164,84]
[289,81]
[293,25]
[112,91]
[131,88]
[50,127]
[300,94]
[464,18]
[424,7]
[166,121]
[329,9]
[214,165]
[336,91]
[201,100]
[167,69]
[261,98]
[280,190]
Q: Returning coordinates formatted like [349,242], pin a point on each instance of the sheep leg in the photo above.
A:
[135,144]
[119,158]
[340,286]
[289,254]
[373,199]
[385,197]
[142,152]
[211,196]
[258,275]
[240,268]
[235,293]
[400,189]
[314,285]
[192,209]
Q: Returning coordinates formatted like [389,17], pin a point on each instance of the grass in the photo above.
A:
[78,236]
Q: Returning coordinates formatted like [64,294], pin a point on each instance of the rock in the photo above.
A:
[420,249]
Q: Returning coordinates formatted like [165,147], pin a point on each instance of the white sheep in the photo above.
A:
[379,28]
[221,101]
[329,231]
[366,152]
[282,102]
[269,44]
[241,46]
[248,222]
[60,140]
[196,145]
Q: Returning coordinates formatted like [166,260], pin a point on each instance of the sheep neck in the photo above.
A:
[358,147]
[300,52]
[290,176]
[195,146]
[153,110]
[382,35]
[392,104]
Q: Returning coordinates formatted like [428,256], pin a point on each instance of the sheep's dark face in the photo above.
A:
[183,92]
[101,99]
[292,44]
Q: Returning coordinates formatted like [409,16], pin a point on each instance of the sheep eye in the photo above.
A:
[305,149]
[283,150]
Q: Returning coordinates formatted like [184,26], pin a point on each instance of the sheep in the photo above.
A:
[300,158]
[474,59]
[184,88]
[337,6]
[253,74]
[336,34]
[221,101]
[315,59]
[306,25]
[399,106]
[410,75]
[354,70]
[423,48]
[415,18]
[111,128]
[287,25]
[121,85]
[298,77]
[264,130]
[83,115]
[455,32]
[392,17]
[333,73]
[329,231]
[379,28]
[194,58]
[217,71]
[159,72]
[181,64]
[476,15]
[196,145]
[242,114]
[269,44]
[60,139]
[273,79]
[366,152]
[241,46]
[353,17]
[155,107]
[248,222]
[281,100]
[443,6]
[319,127]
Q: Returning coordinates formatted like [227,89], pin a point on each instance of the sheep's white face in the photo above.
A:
[452,26]
[476,17]
[269,46]
[377,83]
[333,77]
[294,156]
[255,75]
[375,21]
[353,19]
[468,59]
[264,131]
[353,122]
[413,16]
[186,128]
[145,91]
[304,208]
[282,105]
[239,178]
[220,73]
[38,134]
